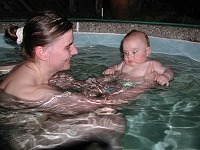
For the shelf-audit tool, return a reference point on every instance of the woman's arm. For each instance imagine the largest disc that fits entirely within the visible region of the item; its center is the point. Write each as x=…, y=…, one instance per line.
x=90, y=87
x=69, y=104
x=77, y=103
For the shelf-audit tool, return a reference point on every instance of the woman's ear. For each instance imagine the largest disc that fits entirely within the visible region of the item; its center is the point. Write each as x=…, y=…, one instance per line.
x=40, y=52
x=148, y=51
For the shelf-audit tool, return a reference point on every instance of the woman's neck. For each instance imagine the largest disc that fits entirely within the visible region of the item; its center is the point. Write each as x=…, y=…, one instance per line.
x=42, y=74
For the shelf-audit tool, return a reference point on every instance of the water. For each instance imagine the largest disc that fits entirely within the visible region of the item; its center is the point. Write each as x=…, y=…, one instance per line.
x=162, y=118
x=10, y=56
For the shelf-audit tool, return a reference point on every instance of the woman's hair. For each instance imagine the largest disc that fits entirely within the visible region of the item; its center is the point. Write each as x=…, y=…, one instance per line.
x=10, y=32
x=43, y=28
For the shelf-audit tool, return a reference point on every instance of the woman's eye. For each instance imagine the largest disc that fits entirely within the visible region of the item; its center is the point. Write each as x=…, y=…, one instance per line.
x=67, y=47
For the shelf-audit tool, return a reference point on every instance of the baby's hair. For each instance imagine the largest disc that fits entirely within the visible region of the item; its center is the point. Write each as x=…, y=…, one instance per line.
x=140, y=33
x=10, y=32
x=134, y=33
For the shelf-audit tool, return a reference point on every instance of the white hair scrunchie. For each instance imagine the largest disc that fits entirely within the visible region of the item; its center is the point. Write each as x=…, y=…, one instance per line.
x=19, y=35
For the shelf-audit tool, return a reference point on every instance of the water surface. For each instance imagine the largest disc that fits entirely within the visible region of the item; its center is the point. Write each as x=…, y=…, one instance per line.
x=162, y=118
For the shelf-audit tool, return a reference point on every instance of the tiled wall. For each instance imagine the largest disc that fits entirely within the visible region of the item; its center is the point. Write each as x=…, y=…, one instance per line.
x=164, y=31
x=158, y=45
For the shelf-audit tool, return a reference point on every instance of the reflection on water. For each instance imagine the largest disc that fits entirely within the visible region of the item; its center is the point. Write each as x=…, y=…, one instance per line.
x=161, y=118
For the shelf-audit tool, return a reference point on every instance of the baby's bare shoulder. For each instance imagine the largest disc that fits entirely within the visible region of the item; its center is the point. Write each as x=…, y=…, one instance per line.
x=155, y=62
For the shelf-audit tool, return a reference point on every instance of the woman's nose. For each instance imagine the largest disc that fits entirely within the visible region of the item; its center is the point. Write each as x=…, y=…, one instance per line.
x=73, y=50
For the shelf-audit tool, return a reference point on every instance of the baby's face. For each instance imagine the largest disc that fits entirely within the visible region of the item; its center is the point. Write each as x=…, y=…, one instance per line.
x=135, y=51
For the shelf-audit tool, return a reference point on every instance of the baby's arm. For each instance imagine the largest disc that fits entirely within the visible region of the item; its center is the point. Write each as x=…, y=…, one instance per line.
x=165, y=74
x=168, y=73
x=114, y=68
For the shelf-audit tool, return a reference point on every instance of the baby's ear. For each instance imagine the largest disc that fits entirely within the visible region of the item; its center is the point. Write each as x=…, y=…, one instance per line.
x=148, y=51
x=40, y=52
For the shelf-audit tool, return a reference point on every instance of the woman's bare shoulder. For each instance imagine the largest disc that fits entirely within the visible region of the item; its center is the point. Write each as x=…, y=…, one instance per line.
x=38, y=92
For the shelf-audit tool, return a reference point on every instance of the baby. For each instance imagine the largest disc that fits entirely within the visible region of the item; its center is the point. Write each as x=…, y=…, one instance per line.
x=136, y=49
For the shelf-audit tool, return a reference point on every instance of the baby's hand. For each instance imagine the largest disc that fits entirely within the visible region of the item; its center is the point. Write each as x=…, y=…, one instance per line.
x=109, y=71
x=162, y=80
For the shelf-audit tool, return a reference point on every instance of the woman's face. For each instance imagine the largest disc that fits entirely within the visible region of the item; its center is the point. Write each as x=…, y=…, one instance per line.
x=61, y=51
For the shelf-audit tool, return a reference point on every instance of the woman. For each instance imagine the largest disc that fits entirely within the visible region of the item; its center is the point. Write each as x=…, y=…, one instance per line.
x=48, y=46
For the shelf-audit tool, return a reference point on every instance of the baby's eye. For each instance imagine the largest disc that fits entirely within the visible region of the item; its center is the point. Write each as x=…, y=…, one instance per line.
x=134, y=52
x=125, y=53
